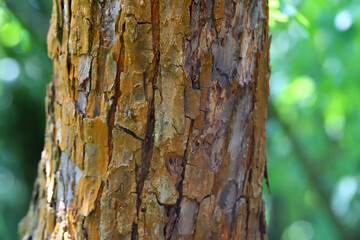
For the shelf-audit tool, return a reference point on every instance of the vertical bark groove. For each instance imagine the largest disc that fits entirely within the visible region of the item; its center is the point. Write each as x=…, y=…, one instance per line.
x=115, y=98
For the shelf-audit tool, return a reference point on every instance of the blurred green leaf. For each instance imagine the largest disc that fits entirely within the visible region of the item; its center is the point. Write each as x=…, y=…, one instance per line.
x=11, y=34
x=277, y=15
x=302, y=19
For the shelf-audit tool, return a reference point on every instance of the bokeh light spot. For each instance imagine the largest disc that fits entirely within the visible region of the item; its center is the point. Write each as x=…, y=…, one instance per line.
x=343, y=21
x=33, y=68
x=279, y=81
x=334, y=126
x=344, y=192
x=332, y=65
x=9, y=69
x=300, y=230
x=302, y=87
x=6, y=181
x=11, y=34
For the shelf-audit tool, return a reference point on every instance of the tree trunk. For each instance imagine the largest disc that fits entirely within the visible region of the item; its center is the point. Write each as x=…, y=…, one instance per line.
x=155, y=121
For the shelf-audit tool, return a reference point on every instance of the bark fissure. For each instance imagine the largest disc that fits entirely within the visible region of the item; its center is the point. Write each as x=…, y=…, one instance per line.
x=115, y=98
x=176, y=208
x=128, y=132
x=148, y=142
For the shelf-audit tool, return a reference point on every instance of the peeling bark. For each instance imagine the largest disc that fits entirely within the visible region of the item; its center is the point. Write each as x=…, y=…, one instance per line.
x=155, y=121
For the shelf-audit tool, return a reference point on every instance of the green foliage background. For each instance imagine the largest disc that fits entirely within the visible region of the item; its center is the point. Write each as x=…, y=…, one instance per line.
x=313, y=125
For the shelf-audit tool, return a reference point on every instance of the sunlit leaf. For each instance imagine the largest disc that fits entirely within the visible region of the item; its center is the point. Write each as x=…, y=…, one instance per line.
x=3, y=16
x=274, y=4
x=302, y=87
x=279, y=16
x=302, y=20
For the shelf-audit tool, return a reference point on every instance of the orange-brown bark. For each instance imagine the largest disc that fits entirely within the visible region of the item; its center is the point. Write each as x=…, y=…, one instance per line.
x=155, y=121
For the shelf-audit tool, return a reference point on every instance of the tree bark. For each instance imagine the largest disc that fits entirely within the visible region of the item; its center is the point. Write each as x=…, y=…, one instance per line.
x=155, y=121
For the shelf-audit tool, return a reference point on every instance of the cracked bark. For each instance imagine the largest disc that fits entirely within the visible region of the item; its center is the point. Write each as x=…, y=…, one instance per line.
x=155, y=121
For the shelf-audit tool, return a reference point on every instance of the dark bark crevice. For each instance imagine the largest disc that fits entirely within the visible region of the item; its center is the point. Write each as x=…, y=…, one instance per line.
x=147, y=143
x=128, y=131
x=115, y=98
x=175, y=209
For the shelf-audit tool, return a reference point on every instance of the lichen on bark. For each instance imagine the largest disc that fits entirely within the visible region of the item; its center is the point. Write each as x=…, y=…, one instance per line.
x=155, y=121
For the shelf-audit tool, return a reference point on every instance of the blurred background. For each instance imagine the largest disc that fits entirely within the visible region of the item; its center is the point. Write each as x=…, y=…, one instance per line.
x=313, y=125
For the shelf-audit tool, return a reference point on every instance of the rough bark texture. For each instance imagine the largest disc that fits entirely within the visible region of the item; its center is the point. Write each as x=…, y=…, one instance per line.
x=155, y=121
